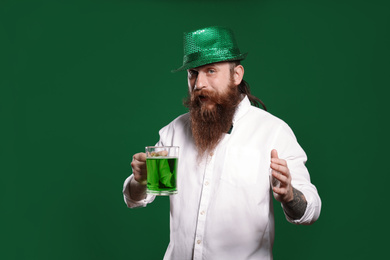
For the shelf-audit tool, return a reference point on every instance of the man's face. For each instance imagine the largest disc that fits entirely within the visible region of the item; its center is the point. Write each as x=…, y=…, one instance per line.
x=208, y=81
x=213, y=98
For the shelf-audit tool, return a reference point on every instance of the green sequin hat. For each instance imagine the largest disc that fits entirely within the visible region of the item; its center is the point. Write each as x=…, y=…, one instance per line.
x=209, y=45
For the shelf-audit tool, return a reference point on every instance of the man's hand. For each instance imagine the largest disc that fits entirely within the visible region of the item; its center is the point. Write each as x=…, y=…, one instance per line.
x=294, y=202
x=139, y=168
x=284, y=191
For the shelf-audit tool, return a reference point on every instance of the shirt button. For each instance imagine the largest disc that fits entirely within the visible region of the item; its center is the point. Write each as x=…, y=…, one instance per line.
x=198, y=242
x=206, y=183
x=211, y=154
x=202, y=213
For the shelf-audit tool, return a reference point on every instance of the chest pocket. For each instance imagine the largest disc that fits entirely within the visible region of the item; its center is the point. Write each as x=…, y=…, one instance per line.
x=244, y=167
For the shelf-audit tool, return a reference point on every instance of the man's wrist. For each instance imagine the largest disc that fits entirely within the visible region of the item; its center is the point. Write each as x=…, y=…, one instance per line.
x=296, y=207
x=137, y=190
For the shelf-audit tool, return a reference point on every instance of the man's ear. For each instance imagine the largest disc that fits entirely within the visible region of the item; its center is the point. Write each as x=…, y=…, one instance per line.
x=238, y=74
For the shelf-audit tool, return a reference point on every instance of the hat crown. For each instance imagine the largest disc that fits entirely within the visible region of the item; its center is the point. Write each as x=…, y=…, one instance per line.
x=209, y=45
x=209, y=38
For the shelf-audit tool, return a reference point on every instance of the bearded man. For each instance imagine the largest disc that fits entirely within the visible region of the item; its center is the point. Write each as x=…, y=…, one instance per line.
x=233, y=157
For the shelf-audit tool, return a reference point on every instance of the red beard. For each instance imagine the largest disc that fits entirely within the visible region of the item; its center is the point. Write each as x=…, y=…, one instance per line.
x=208, y=124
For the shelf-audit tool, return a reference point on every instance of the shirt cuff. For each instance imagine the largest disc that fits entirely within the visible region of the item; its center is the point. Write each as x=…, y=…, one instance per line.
x=133, y=203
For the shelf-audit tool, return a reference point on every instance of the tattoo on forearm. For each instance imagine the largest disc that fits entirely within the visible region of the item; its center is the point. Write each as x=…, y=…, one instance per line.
x=297, y=207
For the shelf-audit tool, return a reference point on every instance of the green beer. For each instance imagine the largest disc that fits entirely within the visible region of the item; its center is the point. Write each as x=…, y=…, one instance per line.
x=161, y=165
x=162, y=173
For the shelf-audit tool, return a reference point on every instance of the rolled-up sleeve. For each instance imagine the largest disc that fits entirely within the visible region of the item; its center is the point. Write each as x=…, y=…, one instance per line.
x=289, y=149
x=130, y=202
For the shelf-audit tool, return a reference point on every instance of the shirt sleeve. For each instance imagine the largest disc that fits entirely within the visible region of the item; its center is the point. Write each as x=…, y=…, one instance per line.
x=133, y=203
x=289, y=149
x=166, y=138
x=126, y=185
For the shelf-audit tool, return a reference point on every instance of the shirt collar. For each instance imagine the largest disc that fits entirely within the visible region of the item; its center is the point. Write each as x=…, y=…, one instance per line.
x=242, y=108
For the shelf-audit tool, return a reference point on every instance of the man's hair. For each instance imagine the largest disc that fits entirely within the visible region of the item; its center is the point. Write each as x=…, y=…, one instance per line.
x=243, y=87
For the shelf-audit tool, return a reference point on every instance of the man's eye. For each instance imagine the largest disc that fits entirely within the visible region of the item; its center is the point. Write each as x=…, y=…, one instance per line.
x=211, y=71
x=193, y=72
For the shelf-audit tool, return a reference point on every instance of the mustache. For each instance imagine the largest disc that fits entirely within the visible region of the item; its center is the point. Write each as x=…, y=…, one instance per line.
x=204, y=93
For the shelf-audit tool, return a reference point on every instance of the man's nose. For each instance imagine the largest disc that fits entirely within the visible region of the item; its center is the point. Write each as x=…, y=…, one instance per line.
x=200, y=82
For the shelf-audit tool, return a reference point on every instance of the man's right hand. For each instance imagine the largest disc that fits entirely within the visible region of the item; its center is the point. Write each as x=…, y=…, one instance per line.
x=139, y=168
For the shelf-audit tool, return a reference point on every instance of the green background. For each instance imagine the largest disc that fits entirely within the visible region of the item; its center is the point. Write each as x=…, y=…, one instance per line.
x=86, y=84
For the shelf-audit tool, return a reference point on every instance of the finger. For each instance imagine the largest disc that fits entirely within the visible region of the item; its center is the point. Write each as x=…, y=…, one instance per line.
x=136, y=169
x=274, y=154
x=279, y=161
x=280, y=168
x=163, y=153
x=280, y=177
x=137, y=166
x=279, y=191
x=141, y=157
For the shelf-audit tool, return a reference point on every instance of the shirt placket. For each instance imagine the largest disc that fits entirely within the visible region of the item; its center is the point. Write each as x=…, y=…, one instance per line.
x=203, y=206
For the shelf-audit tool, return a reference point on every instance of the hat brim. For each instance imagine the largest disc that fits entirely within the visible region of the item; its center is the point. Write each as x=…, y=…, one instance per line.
x=198, y=63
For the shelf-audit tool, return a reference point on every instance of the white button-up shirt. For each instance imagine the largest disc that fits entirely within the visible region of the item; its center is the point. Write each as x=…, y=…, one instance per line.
x=223, y=209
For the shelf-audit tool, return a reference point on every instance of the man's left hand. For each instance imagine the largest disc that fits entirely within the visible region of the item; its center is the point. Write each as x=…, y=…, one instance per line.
x=280, y=171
